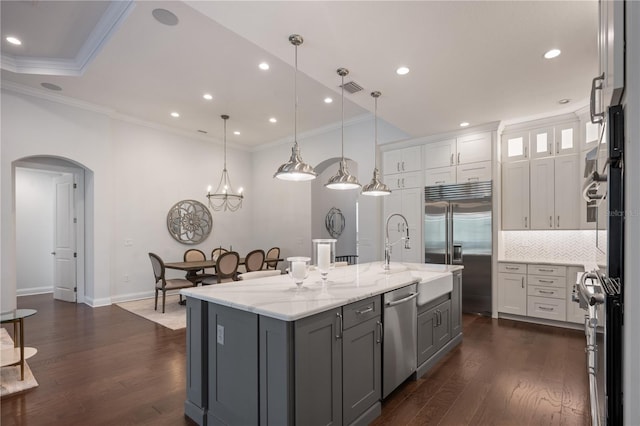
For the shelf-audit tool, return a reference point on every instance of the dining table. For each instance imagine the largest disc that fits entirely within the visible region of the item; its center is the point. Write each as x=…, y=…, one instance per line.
x=193, y=267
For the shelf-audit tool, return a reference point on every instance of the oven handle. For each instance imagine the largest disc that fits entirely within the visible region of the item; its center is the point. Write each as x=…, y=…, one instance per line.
x=594, y=299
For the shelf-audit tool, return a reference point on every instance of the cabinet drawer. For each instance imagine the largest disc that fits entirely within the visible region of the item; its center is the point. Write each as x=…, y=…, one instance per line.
x=547, y=281
x=558, y=271
x=474, y=172
x=358, y=312
x=543, y=307
x=552, y=292
x=512, y=268
x=440, y=176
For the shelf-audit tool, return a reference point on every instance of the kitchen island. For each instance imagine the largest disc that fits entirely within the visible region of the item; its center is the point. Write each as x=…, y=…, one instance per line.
x=265, y=352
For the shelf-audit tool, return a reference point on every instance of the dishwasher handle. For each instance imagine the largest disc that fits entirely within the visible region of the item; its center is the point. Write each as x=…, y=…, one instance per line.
x=404, y=299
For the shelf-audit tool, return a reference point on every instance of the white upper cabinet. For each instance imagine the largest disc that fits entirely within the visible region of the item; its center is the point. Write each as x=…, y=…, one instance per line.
x=404, y=180
x=567, y=138
x=402, y=160
x=611, y=50
x=555, y=193
x=473, y=148
x=567, y=192
x=440, y=176
x=515, y=196
x=542, y=193
x=461, y=160
x=515, y=146
x=440, y=154
x=542, y=142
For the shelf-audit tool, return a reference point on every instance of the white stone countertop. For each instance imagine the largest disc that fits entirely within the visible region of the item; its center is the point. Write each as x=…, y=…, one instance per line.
x=587, y=265
x=277, y=296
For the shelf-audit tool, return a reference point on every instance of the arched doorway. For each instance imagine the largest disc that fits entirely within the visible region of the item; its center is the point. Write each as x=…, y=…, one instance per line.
x=51, y=226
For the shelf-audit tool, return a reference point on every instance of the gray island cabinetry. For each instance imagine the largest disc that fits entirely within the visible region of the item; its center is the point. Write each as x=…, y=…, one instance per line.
x=261, y=353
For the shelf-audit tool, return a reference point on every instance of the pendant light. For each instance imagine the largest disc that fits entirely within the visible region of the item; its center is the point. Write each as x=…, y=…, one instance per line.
x=225, y=198
x=295, y=169
x=343, y=179
x=375, y=188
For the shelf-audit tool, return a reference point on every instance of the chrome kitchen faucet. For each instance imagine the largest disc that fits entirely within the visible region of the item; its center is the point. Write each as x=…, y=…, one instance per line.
x=387, y=245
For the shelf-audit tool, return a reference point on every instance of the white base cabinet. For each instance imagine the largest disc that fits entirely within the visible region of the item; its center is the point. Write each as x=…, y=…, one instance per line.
x=539, y=291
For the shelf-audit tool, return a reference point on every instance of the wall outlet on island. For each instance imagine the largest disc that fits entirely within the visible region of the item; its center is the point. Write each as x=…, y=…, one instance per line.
x=220, y=334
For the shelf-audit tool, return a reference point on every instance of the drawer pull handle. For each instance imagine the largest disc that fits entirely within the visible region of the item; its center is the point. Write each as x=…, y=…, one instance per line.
x=545, y=270
x=522, y=282
x=365, y=311
x=439, y=182
x=546, y=292
x=512, y=268
x=546, y=281
x=544, y=308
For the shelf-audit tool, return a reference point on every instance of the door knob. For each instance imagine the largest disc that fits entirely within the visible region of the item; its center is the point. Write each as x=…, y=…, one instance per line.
x=53, y=253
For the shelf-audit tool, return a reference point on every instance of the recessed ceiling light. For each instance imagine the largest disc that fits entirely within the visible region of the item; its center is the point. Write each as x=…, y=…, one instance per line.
x=14, y=40
x=553, y=53
x=208, y=96
x=273, y=120
x=236, y=133
x=165, y=17
x=464, y=124
x=402, y=71
x=328, y=100
x=175, y=114
x=263, y=66
x=564, y=101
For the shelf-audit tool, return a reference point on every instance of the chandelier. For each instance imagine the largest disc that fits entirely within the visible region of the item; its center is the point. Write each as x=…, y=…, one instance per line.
x=225, y=198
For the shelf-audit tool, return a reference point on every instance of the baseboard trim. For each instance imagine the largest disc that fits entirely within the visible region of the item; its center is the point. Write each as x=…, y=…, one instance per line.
x=95, y=303
x=542, y=321
x=33, y=291
x=133, y=296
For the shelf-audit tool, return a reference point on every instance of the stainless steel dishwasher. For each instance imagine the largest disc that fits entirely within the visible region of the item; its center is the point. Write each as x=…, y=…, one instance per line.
x=400, y=349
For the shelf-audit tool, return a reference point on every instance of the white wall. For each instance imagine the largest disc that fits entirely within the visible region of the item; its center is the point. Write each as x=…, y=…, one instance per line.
x=283, y=209
x=136, y=173
x=156, y=169
x=33, y=127
x=35, y=203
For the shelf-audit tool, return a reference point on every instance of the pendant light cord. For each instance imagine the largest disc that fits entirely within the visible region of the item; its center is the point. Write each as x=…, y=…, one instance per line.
x=375, y=137
x=342, y=126
x=295, y=98
x=225, y=144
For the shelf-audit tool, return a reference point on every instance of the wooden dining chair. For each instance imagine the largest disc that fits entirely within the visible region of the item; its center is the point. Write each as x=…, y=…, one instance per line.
x=226, y=268
x=216, y=252
x=271, y=259
x=254, y=260
x=195, y=255
x=163, y=284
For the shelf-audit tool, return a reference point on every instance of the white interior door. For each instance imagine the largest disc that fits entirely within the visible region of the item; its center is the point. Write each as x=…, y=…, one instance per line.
x=64, y=284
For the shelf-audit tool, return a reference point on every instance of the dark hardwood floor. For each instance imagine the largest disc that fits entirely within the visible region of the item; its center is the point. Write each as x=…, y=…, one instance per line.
x=106, y=366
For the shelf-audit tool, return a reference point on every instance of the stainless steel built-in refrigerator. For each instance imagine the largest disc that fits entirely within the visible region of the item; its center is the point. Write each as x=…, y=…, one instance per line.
x=457, y=230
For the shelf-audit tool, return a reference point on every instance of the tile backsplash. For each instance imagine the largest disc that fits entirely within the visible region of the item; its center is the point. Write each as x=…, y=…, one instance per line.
x=573, y=246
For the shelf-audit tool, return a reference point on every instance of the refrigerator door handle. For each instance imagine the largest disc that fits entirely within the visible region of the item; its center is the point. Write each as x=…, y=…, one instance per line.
x=447, y=222
x=457, y=253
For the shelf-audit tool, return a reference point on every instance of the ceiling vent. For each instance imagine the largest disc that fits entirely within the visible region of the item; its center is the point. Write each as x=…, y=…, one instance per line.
x=352, y=87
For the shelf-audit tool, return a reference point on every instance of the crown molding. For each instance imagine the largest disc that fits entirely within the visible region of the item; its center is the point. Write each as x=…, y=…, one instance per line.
x=106, y=27
x=112, y=114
